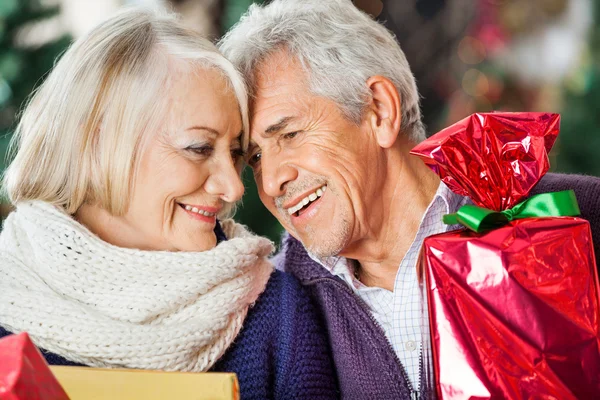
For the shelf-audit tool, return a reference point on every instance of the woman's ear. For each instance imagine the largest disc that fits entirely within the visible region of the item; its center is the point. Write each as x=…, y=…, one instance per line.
x=385, y=114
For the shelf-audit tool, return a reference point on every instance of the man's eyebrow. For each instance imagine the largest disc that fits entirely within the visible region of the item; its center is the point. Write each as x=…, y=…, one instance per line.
x=273, y=129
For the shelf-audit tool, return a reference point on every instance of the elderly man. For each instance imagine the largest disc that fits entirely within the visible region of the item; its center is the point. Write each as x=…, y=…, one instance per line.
x=335, y=112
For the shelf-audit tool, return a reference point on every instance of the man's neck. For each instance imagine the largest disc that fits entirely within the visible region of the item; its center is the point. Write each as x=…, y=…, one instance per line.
x=395, y=220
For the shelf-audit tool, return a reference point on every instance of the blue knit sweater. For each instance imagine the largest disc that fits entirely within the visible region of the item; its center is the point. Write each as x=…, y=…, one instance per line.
x=281, y=352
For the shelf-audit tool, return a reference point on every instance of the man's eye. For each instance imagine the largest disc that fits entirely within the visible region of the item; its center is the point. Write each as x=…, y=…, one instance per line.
x=290, y=135
x=254, y=159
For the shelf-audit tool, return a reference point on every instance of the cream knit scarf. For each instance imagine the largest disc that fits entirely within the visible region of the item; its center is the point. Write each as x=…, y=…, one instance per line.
x=106, y=306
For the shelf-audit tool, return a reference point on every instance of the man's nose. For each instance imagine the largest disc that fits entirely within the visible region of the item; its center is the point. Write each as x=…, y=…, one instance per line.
x=276, y=172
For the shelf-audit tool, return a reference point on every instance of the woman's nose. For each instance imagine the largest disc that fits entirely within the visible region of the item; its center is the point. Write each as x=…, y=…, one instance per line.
x=225, y=182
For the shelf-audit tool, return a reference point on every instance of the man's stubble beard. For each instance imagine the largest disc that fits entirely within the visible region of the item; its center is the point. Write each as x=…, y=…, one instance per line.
x=329, y=242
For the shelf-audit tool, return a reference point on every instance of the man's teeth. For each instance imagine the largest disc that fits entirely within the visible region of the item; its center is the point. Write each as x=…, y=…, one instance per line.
x=310, y=198
x=198, y=211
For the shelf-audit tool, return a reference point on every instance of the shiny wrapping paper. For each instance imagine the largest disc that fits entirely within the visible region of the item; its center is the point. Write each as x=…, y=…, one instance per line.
x=513, y=311
x=495, y=159
x=24, y=373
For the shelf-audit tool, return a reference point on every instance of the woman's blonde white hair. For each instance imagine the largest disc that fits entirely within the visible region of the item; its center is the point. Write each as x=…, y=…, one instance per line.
x=339, y=46
x=79, y=136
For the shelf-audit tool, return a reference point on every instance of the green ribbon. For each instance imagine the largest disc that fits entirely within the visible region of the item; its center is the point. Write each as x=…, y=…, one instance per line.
x=479, y=219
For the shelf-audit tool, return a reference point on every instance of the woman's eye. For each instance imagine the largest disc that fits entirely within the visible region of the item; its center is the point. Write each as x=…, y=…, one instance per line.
x=236, y=154
x=254, y=159
x=204, y=151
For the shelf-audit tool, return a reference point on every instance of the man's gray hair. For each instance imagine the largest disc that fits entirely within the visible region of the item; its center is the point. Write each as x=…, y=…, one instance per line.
x=339, y=46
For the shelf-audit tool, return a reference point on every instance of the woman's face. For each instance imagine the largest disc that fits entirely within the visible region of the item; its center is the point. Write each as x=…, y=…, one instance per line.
x=187, y=169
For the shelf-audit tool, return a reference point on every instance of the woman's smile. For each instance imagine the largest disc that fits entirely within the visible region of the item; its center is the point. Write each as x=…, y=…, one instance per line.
x=201, y=213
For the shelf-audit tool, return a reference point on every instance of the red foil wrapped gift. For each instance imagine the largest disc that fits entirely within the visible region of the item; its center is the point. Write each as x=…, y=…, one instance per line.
x=513, y=301
x=24, y=373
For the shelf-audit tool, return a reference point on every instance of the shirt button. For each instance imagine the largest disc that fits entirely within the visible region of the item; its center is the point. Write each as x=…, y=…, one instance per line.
x=410, y=345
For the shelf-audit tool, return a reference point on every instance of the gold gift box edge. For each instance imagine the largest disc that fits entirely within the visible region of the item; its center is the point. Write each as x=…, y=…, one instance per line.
x=83, y=383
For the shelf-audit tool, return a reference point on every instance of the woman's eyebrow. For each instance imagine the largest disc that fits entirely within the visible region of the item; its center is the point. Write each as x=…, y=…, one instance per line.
x=203, y=128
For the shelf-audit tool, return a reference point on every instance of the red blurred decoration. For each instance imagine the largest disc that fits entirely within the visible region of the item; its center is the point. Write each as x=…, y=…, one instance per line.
x=513, y=312
x=488, y=28
x=24, y=373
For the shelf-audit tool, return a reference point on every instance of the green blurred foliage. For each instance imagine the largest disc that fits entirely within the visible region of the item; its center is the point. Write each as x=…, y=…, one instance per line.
x=578, y=145
x=251, y=212
x=233, y=10
x=254, y=214
x=22, y=68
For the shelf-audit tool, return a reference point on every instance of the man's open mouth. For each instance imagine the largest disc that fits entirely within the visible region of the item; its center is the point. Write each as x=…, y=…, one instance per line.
x=297, y=209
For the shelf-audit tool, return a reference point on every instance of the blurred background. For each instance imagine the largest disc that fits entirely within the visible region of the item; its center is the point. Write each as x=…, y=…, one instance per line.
x=467, y=56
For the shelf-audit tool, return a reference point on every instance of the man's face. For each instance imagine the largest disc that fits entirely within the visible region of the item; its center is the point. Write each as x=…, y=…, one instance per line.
x=315, y=170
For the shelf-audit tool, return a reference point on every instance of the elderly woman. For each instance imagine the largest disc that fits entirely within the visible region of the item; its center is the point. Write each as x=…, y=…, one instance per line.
x=125, y=157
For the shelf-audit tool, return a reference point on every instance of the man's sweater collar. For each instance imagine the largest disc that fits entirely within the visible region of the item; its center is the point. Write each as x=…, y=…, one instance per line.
x=299, y=263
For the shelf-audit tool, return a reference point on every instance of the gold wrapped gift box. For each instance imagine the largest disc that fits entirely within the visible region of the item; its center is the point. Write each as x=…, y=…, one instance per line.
x=83, y=383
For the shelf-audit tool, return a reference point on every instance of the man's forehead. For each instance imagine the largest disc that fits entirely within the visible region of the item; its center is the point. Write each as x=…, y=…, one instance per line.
x=279, y=73
x=279, y=95
x=278, y=66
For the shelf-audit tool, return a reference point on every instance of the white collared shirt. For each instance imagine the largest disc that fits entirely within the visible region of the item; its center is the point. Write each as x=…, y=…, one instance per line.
x=399, y=312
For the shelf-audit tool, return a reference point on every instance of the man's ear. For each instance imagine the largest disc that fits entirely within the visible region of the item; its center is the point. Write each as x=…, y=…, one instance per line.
x=385, y=113
x=371, y=7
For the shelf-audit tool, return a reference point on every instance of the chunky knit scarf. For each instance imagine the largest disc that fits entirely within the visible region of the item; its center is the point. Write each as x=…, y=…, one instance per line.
x=106, y=306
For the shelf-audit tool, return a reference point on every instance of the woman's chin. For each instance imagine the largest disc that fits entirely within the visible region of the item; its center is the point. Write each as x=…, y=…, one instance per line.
x=196, y=243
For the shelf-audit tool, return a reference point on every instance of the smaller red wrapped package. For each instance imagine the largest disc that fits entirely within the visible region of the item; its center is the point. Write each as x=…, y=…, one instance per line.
x=513, y=301
x=24, y=373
